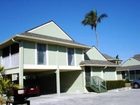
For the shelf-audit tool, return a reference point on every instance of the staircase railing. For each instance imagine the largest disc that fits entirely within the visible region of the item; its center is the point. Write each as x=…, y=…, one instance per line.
x=96, y=83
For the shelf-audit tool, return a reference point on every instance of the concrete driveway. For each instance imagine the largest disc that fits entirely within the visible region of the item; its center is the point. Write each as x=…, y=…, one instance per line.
x=115, y=97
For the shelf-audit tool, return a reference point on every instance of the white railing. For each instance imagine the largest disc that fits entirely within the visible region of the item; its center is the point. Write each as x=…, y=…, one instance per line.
x=10, y=61
x=6, y=62
x=15, y=60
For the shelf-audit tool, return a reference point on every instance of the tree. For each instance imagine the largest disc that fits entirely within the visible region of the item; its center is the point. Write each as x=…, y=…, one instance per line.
x=92, y=19
x=6, y=86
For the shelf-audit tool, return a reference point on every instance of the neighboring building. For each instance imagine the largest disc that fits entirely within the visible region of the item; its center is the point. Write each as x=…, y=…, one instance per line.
x=115, y=60
x=130, y=69
x=53, y=60
x=97, y=65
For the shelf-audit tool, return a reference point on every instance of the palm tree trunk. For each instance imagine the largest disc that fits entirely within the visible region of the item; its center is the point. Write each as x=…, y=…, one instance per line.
x=97, y=41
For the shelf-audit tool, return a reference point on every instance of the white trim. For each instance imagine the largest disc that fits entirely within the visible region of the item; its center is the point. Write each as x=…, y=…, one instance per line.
x=75, y=62
x=53, y=67
x=12, y=71
x=116, y=77
x=57, y=54
x=36, y=54
x=10, y=56
x=38, y=67
x=67, y=56
x=83, y=55
x=47, y=56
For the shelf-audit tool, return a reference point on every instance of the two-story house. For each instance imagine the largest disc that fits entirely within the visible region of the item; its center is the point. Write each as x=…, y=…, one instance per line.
x=48, y=57
x=48, y=54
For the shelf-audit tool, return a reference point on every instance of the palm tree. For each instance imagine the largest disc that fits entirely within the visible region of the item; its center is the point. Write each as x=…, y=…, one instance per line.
x=92, y=19
x=6, y=86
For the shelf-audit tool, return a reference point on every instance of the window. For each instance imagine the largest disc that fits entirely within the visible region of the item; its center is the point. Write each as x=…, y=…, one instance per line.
x=41, y=54
x=70, y=56
x=6, y=52
x=14, y=48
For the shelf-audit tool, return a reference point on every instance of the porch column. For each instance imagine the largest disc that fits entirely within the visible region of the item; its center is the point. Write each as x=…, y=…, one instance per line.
x=116, y=77
x=58, y=81
x=84, y=79
x=21, y=64
x=57, y=73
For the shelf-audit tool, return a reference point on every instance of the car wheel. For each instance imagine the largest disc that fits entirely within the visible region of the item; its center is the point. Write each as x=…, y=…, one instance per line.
x=136, y=85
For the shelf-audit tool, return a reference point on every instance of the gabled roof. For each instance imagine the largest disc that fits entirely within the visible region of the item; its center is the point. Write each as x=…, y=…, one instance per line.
x=53, y=40
x=129, y=68
x=50, y=29
x=108, y=57
x=46, y=33
x=137, y=57
x=131, y=64
x=94, y=54
x=97, y=63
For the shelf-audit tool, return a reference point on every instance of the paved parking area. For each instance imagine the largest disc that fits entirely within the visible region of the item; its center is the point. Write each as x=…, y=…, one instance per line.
x=115, y=97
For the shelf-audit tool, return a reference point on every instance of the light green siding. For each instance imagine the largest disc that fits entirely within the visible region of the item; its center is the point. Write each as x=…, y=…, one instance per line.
x=119, y=75
x=62, y=60
x=94, y=54
x=131, y=62
x=106, y=74
x=96, y=72
x=29, y=53
x=51, y=29
x=109, y=74
x=79, y=56
x=52, y=53
x=71, y=81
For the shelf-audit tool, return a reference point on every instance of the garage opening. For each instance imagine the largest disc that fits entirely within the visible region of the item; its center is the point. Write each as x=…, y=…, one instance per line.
x=46, y=82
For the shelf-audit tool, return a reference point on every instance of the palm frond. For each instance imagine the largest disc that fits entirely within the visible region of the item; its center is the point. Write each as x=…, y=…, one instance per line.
x=1, y=69
x=101, y=17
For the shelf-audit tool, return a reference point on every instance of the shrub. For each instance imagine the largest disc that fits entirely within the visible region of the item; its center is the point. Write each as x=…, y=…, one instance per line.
x=115, y=84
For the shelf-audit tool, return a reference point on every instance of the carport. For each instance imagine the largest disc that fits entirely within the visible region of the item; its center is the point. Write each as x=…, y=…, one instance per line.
x=57, y=81
x=44, y=79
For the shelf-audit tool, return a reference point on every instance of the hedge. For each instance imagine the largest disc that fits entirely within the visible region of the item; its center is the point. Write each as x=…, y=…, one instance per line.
x=115, y=84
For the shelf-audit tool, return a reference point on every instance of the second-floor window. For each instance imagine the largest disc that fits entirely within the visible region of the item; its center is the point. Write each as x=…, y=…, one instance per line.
x=41, y=54
x=70, y=56
x=10, y=56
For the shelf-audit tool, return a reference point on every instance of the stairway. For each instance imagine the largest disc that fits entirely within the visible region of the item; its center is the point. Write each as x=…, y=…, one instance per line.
x=96, y=84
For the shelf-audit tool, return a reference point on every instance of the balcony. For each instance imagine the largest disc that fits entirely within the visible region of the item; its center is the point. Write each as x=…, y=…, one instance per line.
x=10, y=61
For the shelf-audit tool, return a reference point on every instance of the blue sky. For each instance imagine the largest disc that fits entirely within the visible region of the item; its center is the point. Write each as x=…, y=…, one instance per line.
x=118, y=34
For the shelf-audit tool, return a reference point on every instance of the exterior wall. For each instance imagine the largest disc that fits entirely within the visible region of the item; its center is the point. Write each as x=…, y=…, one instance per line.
x=29, y=53
x=52, y=30
x=131, y=62
x=106, y=74
x=62, y=56
x=79, y=56
x=52, y=52
x=94, y=54
x=97, y=72
x=110, y=74
x=119, y=75
x=71, y=81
